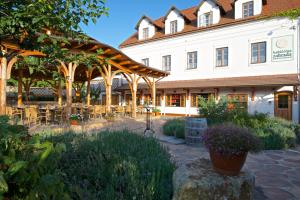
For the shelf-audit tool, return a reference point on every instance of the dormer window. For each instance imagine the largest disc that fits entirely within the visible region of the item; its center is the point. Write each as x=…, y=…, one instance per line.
x=145, y=33
x=207, y=19
x=248, y=9
x=173, y=27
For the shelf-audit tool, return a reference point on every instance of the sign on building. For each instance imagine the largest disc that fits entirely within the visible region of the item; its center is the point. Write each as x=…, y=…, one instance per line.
x=282, y=48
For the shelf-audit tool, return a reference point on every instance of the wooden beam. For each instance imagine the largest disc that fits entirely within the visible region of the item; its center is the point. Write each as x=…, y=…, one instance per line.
x=116, y=56
x=134, y=67
x=94, y=48
x=106, y=51
x=125, y=62
x=78, y=46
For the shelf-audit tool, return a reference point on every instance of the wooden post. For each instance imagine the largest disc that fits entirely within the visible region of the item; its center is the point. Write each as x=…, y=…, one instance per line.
x=134, y=90
x=20, y=85
x=3, y=86
x=153, y=93
x=108, y=97
x=59, y=93
x=69, y=81
x=88, y=88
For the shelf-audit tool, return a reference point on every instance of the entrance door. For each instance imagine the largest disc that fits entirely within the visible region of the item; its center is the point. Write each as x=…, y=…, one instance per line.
x=283, y=105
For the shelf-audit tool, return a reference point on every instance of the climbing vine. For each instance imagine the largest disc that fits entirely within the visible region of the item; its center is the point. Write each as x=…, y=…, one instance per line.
x=292, y=14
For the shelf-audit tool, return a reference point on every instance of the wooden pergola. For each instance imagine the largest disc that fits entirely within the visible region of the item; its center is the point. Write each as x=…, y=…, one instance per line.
x=111, y=63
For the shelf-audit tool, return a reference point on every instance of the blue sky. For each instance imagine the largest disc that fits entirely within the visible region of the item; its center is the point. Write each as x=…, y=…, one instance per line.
x=124, y=14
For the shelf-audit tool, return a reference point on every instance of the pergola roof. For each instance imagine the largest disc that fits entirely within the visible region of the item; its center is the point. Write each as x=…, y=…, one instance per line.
x=117, y=59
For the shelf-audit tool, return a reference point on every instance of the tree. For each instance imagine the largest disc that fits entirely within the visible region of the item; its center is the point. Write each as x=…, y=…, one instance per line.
x=30, y=21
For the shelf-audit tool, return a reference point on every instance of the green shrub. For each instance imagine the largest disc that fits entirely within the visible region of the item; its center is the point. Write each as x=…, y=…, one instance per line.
x=28, y=166
x=275, y=133
x=215, y=112
x=174, y=127
x=116, y=165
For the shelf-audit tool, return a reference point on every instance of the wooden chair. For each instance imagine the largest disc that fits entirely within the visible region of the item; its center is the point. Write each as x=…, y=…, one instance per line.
x=128, y=110
x=120, y=111
x=15, y=114
x=32, y=117
x=45, y=114
x=60, y=115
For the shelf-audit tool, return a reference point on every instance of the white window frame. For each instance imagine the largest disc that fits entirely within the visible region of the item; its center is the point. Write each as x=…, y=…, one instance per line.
x=246, y=9
x=192, y=60
x=145, y=33
x=166, y=62
x=223, y=64
x=173, y=26
x=146, y=61
x=258, y=53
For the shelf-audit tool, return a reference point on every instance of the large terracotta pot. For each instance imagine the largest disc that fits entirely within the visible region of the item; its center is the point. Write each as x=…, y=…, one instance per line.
x=230, y=165
x=73, y=122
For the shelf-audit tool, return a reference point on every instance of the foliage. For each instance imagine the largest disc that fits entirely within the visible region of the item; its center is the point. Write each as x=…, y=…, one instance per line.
x=156, y=110
x=75, y=117
x=28, y=168
x=230, y=139
x=115, y=165
x=215, y=112
x=174, y=127
x=274, y=133
x=292, y=14
x=24, y=20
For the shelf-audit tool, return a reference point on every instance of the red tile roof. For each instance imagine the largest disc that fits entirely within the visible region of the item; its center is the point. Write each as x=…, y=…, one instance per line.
x=269, y=8
x=247, y=81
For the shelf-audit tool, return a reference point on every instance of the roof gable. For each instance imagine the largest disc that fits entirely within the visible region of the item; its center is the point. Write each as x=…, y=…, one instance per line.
x=213, y=1
x=147, y=18
x=173, y=8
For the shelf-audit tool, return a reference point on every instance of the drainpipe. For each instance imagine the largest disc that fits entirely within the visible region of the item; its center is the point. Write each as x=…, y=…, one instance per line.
x=298, y=65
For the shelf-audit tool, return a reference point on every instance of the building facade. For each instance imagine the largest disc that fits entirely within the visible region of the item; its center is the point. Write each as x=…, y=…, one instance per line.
x=233, y=49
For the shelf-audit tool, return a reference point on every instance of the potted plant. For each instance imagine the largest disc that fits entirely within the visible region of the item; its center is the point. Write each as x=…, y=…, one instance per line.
x=155, y=111
x=228, y=147
x=74, y=119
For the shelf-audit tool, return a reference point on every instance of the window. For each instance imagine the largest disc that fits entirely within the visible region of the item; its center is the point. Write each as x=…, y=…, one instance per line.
x=207, y=19
x=176, y=100
x=145, y=61
x=192, y=60
x=283, y=101
x=147, y=99
x=158, y=100
x=166, y=63
x=239, y=101
x=145, y=33
x=222, y=57
x=258, y=52
x=173, y=27
x=248, y=9
x=196, y=97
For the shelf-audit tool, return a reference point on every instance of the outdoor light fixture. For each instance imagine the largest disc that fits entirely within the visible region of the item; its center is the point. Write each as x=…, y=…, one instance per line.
x=48, y=32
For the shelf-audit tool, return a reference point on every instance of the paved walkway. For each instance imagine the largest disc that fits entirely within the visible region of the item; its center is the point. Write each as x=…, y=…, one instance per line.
x=277, y=173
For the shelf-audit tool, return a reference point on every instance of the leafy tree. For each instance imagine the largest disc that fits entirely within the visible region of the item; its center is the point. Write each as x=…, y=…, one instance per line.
x=29, y=21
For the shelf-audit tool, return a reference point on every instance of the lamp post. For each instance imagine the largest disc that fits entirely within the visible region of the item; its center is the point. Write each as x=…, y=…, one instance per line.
x=148, y=131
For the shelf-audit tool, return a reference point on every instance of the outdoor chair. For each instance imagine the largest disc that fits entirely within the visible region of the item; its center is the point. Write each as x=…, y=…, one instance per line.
x=128, y=110
x=60, y=115
x=32, y=117
x=120, y=111
x=45, y=114
x=14, y=113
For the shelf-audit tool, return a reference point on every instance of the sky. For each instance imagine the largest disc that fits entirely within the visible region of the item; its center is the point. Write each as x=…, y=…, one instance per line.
x=124, y=14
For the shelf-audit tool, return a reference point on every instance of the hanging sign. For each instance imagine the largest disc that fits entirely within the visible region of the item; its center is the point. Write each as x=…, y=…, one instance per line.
x=283, y=48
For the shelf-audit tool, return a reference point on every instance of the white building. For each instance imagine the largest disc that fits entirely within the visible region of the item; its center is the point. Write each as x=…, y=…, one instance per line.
x=231, y=48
